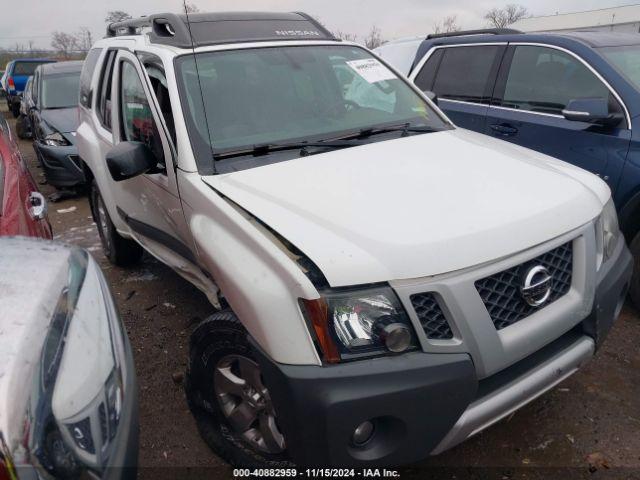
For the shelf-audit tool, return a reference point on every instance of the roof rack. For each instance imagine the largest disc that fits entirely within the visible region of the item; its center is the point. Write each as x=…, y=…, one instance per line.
x=222, y=27
x=481, y=31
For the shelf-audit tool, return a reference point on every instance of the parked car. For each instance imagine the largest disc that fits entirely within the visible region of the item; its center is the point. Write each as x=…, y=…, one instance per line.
x=390, y=285
x=16, y=75
x=574, y=96
x=23, y=124
x=68, y=394
x=53, y=118
x=23, y=209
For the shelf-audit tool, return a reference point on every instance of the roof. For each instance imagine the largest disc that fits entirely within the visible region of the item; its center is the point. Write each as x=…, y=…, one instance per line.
x=580, y=20
x=61, y=67
x=201, y=29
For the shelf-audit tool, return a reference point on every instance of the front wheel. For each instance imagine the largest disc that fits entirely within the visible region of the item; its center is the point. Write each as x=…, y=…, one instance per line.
x=634, y=289
x=227, y=396
x=15, y=109
x=119, y=250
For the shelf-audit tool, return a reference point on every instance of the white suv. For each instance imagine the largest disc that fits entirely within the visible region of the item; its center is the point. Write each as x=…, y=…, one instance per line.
x=388, y=284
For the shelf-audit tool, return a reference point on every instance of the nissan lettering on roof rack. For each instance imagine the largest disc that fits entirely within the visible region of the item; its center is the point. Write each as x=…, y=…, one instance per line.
x=386, y=285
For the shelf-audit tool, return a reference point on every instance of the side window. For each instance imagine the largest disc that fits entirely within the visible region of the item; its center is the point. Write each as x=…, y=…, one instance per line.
x=465, y=72
x=544, y=80
x=88, y=68
x=104, y=101
x=155, y=70
x=425, y=78
x=35, y=83
x=136, y=117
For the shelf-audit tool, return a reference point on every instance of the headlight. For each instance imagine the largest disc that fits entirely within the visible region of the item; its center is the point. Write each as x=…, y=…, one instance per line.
x=607, y=231
x=56, y=139
x=360, y=323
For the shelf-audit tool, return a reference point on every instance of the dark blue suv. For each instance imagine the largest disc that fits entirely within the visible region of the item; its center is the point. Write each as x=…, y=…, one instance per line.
x=574, y=96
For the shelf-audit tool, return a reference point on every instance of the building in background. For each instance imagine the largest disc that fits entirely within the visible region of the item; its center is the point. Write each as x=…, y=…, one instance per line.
x=616, y=19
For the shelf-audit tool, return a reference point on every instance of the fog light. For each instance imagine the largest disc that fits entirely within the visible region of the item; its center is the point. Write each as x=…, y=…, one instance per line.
x=396, y=337
x=363, y=433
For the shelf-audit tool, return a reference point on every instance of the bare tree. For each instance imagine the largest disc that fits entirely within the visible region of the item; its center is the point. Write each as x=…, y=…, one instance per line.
x=349, y=37
x=191, y=8
x=117, y=16
x=84, y=39
x=63, y=43
x=503, y=17
x=448, y=24
x=374, y=38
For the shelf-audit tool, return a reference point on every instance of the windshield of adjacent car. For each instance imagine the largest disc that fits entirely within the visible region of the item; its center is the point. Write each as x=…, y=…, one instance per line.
x=281, y=94
x=626, y=59
x=25, y=68
x=60, y=90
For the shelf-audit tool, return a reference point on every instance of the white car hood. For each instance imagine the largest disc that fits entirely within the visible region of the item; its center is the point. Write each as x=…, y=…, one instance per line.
x=416, y=206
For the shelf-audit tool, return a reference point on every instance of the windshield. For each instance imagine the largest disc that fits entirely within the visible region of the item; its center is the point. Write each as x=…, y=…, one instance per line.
x=280, y=94
x=26, y=68
x=627, y=60
x=60, y=91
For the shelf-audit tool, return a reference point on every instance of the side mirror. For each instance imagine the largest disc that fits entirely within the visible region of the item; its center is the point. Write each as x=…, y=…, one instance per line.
x=431, y=96
x=130, y=159
x=591, y=110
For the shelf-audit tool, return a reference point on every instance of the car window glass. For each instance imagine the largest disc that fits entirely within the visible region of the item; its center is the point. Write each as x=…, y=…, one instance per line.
x=464, y=73
x=60, y=90
x=425, y=78
x=88, y=68
x=544, y=80
x=25, y=68
x=160, y=89
x=138, y=124
x=104, y=103
x=35, y=87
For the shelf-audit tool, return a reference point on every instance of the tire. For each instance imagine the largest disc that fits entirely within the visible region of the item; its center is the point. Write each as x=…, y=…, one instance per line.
x=15, y=109
x=119, y=250
x=634, y=289
x=21, y=128
x=219, y=344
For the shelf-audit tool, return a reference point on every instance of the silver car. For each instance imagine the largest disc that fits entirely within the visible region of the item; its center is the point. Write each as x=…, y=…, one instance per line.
x=68, y=394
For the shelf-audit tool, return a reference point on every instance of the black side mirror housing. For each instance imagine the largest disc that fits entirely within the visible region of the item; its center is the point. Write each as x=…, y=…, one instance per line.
x=591, y=110
x=130, y=159
x=431, y=96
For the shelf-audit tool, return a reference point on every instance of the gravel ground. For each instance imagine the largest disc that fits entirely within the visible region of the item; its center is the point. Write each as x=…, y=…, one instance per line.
x=588, y=427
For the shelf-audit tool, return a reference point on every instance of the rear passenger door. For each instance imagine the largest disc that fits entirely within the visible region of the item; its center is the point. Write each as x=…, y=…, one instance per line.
x=535, y=84
x=462, y=77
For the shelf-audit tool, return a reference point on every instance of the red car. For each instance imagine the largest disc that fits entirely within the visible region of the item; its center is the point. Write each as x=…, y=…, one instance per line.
x=23, y=209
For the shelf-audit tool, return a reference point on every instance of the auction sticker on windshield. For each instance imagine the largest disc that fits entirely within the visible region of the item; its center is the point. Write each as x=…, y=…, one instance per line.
x=371, y=70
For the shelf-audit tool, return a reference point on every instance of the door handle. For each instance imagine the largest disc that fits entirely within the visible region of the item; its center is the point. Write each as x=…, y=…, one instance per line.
x=504, y=130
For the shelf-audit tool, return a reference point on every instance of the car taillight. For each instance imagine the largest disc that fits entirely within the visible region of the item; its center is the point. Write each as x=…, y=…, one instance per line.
x=11, y=83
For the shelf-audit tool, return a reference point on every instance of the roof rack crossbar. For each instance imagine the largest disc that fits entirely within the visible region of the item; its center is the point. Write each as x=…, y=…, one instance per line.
x=481, y=31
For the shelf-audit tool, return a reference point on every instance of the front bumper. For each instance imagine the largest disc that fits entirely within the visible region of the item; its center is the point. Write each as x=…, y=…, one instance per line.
x=61, y=165
x=425, y=403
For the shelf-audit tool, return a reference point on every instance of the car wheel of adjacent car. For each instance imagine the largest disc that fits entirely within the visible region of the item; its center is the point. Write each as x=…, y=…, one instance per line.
x=15, y=109
x=119, y=250
x=21, y=128
x=634, y=289
x=228, y=398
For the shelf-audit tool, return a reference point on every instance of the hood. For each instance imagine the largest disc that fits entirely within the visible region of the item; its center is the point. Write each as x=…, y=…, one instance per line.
x=416, y=206
x=64, y=120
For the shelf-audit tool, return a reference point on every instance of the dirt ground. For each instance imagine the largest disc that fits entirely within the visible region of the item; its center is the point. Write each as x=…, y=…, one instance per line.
x=588, y=427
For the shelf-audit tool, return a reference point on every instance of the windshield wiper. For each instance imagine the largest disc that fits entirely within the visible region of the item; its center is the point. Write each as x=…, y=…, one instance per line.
x=267, y=148
x=405, y=128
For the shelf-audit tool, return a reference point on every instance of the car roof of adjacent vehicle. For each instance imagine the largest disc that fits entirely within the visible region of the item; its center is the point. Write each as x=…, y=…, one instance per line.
x=61, y=67
x=204, y=29
x=18, y=60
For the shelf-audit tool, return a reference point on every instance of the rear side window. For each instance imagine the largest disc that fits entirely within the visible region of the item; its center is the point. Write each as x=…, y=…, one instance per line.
x=104, y=101
x=543, y=79
x=88, y=68
x=25, y=68
x=424, y=80
x=465, y=73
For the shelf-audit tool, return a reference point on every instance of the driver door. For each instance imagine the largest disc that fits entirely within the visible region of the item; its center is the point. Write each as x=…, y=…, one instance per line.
x=150, y=203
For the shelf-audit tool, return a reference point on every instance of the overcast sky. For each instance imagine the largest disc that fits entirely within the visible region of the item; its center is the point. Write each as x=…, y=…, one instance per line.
x=24, y=20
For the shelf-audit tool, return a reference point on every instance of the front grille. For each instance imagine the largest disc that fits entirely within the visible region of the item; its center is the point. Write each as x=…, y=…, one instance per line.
x=501, y=292
x=431, y=317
